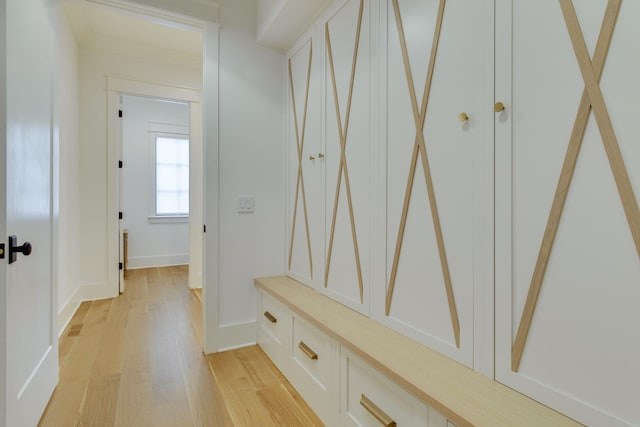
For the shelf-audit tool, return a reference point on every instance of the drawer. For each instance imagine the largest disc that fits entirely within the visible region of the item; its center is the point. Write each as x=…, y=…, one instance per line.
x=314, y=370
x=368, y=398
x=274, y=328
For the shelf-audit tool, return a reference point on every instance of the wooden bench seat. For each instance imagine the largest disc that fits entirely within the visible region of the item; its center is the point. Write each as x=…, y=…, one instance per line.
x=464, y=396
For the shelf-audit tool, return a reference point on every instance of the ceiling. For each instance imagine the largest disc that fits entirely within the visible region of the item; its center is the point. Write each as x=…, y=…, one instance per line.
x=99, y=24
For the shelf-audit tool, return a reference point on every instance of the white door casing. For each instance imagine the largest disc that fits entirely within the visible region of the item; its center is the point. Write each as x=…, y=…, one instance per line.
x=29, y=298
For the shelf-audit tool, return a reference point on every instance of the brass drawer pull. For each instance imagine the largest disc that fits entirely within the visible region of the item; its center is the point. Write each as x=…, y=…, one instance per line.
x=377, y=413
x=270, y=317
x=307, y=350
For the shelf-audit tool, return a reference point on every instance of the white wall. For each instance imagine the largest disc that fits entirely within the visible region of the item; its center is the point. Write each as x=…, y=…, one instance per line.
x=157, y=243
x=251, y=163
x=67, y=111
x=94, y=67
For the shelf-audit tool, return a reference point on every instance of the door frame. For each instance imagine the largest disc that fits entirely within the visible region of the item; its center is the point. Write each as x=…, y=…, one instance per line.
x=208, y=103
x=116, y=87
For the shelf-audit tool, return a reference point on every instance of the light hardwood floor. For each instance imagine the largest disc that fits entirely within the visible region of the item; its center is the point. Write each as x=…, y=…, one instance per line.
x=136, y=361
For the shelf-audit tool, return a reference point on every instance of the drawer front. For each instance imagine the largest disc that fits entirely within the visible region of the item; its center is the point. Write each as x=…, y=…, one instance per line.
x=273, y=317
x=369, y=398
x=312, y=351
x=274, y=329
x=315, y=369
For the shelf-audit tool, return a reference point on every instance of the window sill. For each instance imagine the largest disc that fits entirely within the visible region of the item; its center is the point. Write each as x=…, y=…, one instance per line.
x=168, y=219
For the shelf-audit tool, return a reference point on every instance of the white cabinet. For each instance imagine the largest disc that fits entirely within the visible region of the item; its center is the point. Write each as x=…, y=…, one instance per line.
x=434, y=121
x=392, y=217
x=329, y=176
x=346, y=29
x=305, y=213
x=567, y=179
x=481, y=159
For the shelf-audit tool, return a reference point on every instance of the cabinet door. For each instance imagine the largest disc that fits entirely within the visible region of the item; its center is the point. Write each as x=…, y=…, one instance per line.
x=304, y=184
x=348, y=140
x=434, y=170
x=567, y=224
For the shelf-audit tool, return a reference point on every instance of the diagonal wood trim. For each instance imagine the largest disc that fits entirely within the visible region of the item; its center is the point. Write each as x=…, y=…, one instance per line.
x=611, y=146
x=299, y=172
x=420, y=149
x=343, y=168
x=339, y=180
x=564, y=182
x=300, y=146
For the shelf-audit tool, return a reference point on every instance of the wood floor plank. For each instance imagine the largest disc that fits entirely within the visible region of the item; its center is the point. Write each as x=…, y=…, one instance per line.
x=65, y=406
x=137, y=361
x=283, y=407
x=99, y=408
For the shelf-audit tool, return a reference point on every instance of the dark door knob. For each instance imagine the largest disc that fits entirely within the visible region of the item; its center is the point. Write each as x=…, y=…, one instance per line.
x=14, y=249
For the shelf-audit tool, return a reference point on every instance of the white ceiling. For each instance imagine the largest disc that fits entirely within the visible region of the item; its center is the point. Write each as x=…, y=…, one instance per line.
x=93, y=21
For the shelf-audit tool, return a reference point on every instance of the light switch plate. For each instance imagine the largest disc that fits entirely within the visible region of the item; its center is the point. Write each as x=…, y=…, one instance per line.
x=245, y=204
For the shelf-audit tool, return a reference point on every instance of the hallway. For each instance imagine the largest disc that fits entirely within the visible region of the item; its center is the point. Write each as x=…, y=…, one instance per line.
x=136, y=361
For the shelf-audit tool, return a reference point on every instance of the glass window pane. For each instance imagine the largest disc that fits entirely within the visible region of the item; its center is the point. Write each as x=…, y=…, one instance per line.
x=183, y=178
x=182, y=155
x=165, y=150
x=166, y=203
x=167, y=178
x=172, y=176
x=183, y=202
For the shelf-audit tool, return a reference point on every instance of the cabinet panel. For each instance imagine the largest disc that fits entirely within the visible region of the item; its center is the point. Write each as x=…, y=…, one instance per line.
x=304, y=183
x=434, y=135
x=567, y=243
x=347, y=127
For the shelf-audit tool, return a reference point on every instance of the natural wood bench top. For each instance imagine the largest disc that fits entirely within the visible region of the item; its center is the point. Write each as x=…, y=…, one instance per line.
x=464, y=396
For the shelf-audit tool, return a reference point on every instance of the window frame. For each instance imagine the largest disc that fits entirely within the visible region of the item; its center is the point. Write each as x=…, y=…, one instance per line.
x=156, y=218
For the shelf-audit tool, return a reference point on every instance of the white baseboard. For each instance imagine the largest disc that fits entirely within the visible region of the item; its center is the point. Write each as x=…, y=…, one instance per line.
x=236, y=336
x=93, y=292
x=68, y=310
x=98, y=291
x=195, y=279
x=134, y=263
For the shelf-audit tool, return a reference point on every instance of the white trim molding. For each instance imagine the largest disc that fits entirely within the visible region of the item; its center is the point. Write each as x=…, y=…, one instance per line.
x=237, y=335
x=129, y=86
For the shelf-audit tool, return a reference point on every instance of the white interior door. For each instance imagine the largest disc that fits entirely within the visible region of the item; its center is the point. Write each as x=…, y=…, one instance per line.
x=29, y=340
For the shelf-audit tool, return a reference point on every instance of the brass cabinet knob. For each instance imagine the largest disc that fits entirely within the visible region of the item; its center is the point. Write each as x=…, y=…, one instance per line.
x=320, y=155
x=498, y=107
x=463, y=117
x=312, y=158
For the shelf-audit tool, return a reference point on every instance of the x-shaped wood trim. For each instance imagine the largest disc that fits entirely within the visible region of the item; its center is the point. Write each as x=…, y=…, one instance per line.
x=343, y=129
x=420, y=149
x=591, y=99
x=300, y=146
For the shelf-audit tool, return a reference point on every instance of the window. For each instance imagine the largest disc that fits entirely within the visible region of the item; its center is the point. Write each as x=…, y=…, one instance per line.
x=172, y=175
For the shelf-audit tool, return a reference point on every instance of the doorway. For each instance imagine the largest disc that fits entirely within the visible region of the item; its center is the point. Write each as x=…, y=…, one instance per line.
x=178, y=117
x=133, y=49
x=154, y=183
